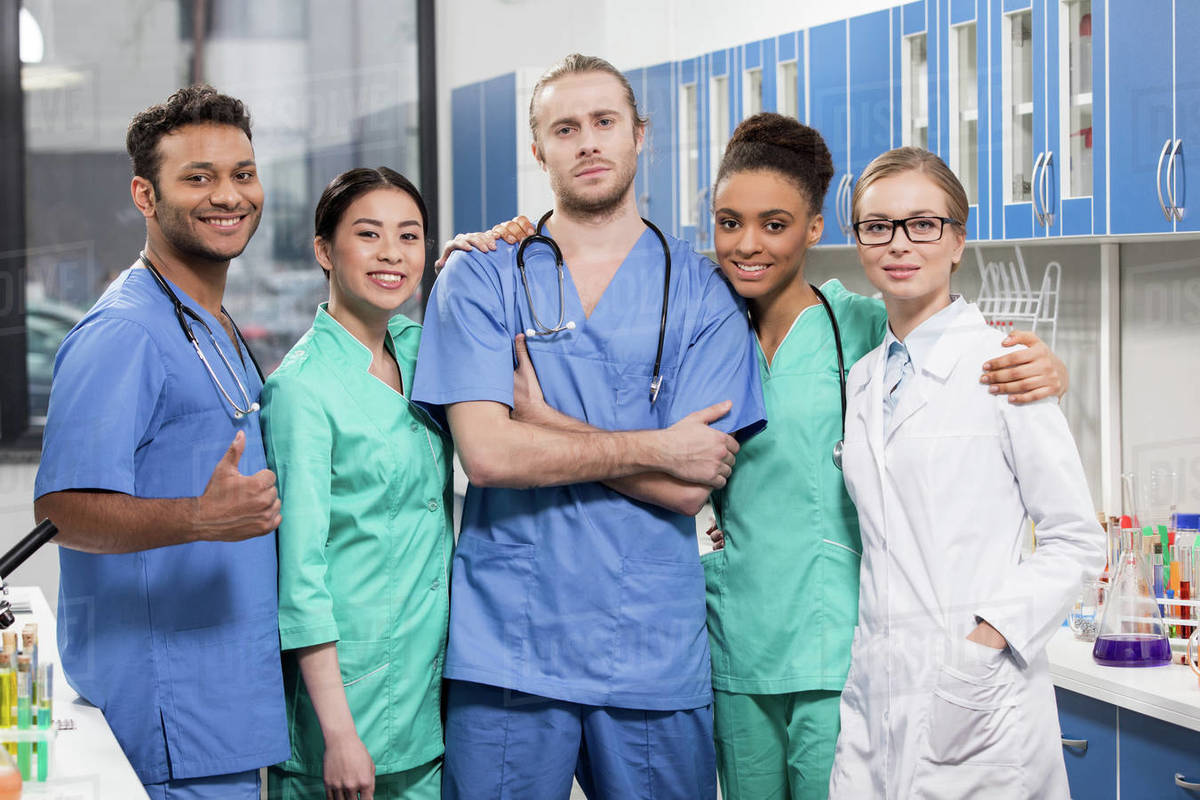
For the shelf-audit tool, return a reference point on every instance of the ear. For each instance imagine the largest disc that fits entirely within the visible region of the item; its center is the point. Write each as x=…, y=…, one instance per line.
x=142, y=192
x=321, y=251
x=960, y=246
x=537, y=156
x=639, y=137
x=816, y=228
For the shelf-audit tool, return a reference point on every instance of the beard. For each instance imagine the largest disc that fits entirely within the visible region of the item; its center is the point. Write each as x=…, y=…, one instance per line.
x=595, y=206
x=177, y=228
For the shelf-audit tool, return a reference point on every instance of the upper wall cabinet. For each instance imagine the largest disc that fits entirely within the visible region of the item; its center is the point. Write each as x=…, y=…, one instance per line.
x=1155, y=113
x=850, y=79
x=1043, y=95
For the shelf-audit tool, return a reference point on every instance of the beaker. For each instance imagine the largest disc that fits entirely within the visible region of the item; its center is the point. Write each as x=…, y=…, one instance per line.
x=1084, y=617
x=1131, y=630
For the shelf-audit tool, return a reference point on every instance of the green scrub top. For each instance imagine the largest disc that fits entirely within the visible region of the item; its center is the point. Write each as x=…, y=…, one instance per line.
x=365, y=542
x=783, y=593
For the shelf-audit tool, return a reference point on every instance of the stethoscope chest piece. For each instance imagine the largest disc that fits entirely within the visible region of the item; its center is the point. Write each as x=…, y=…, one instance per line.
x=837, y=454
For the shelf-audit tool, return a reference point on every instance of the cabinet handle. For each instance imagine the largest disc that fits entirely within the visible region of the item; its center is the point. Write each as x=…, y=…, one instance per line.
x=1075, y=744
x=839, y=206
x=1047, y=214
x=1169, y=215
x=849, y=197
x=1176, y=208
x=1033, y=187
x=1183, y=783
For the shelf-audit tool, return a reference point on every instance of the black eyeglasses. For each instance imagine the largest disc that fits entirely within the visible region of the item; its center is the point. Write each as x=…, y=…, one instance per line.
x=918, y=229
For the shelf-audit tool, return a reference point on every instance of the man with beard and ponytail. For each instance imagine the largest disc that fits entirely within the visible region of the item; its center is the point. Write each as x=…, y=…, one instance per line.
x=153, y=470
x=577, y=641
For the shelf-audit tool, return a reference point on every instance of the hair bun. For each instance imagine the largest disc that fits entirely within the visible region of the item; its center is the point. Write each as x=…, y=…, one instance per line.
x=770, y=141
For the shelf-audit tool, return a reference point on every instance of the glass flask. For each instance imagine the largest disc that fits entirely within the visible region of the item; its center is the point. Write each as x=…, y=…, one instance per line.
x=10, y=778
x=1131, y=630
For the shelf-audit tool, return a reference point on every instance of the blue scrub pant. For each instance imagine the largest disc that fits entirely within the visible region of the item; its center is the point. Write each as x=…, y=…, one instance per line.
x=234, y=786
x=508, y=745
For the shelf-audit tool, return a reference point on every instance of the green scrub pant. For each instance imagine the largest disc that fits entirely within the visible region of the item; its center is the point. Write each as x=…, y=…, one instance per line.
x=775, y=746
x=419, y=783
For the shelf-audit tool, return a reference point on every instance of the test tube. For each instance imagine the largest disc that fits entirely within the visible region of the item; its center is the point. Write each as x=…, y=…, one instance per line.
x=10, y=649
x=6, y=667
x=45, y=715
x=1185, y=589
x=24, y=691
x=29, y=648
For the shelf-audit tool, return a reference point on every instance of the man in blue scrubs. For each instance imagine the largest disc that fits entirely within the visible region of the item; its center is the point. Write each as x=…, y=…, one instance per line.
x=577, y=640
x=167, y=610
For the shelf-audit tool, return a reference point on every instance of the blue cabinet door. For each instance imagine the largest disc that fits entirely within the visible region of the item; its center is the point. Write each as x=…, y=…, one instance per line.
x=1152, y=753
x=499, y=132
x=1089, y=732
x=870, y=82
x=829, y=106
x=660, y=155
x=1187, y=108
x=466, y=143
x=1141, y=107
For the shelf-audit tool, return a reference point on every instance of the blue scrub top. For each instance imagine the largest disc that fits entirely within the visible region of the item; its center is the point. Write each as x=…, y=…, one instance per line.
x=576, y=592
x=179, y=646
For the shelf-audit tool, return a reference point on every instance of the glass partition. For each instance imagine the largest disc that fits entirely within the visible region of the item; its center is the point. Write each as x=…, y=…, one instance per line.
x=964, y=110
x=1077, y=125
x=915, y=91
x=1018, y=101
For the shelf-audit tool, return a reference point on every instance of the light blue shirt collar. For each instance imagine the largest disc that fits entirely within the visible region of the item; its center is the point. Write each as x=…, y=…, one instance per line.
x=921, y=341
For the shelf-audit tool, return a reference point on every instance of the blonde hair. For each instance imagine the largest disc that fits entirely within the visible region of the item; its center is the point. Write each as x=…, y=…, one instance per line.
x=576, y=64
x=916, y=159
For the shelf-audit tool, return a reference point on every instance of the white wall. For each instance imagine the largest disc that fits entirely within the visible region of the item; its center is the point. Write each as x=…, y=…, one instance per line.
x=478, y=39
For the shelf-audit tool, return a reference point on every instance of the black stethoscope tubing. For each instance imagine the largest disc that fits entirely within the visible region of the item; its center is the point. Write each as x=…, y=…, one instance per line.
x=182, y=313
x=543, y=330
x=837, y=341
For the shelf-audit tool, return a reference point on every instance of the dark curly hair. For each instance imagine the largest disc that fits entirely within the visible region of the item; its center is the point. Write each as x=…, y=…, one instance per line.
x=781, y=144
x=199, y=103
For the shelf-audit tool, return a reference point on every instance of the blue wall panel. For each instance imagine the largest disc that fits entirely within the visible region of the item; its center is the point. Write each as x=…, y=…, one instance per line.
x=770, y=75
x=499, y=131
x=961, y=11
x=466, y=142
x=786, y=46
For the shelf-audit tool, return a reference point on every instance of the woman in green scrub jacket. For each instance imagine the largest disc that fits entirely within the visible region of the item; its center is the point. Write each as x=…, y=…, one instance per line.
x=366, y=537
x=783, y=590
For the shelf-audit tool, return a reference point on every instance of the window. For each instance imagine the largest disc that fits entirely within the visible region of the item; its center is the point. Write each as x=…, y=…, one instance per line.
x=915, y=92
x=964, y=110
x=752, y=92
x=1018, y=105
x=789, y=90
x=689, y=156
x=719, y=122
x=1077, y=111
x=328, y=88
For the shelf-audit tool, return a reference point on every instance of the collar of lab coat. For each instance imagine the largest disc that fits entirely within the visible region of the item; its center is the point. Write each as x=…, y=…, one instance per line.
x=934, y=356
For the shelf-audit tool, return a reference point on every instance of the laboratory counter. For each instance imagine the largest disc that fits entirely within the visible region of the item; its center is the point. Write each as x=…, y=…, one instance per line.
x=87, y=762
x=1127, y=732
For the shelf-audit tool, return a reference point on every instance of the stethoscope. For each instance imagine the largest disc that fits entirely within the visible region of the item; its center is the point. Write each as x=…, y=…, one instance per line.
x=837, y=340
x=541, y=329
x=183, y=313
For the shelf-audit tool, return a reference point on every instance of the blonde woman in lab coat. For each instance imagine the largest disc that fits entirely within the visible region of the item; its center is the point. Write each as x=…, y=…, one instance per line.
x=949, y=692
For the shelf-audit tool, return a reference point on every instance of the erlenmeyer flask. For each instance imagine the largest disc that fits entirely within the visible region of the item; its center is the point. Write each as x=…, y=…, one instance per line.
x=1131, y=629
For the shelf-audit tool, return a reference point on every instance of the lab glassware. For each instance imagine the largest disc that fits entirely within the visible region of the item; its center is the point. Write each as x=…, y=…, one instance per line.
x=1131, y=632
x=1084, y=618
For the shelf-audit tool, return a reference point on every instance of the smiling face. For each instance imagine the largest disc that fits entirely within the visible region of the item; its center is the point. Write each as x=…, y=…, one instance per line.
x=377, y=254
x=764, y=227
x=914, y=278
x=209, y=199
x=587, y=142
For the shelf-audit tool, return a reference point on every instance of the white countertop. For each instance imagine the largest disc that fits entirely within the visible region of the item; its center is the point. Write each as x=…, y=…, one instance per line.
x=1170, y=693
x=87, y=763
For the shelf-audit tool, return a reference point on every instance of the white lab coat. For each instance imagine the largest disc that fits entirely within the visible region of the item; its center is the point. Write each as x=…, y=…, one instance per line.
x=941, y=502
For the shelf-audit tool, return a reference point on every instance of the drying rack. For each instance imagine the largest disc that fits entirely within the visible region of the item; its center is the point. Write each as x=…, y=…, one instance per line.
x=1007, y=298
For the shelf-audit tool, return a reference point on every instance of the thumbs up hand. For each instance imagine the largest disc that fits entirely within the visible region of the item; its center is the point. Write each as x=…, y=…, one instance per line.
x=236, y=506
